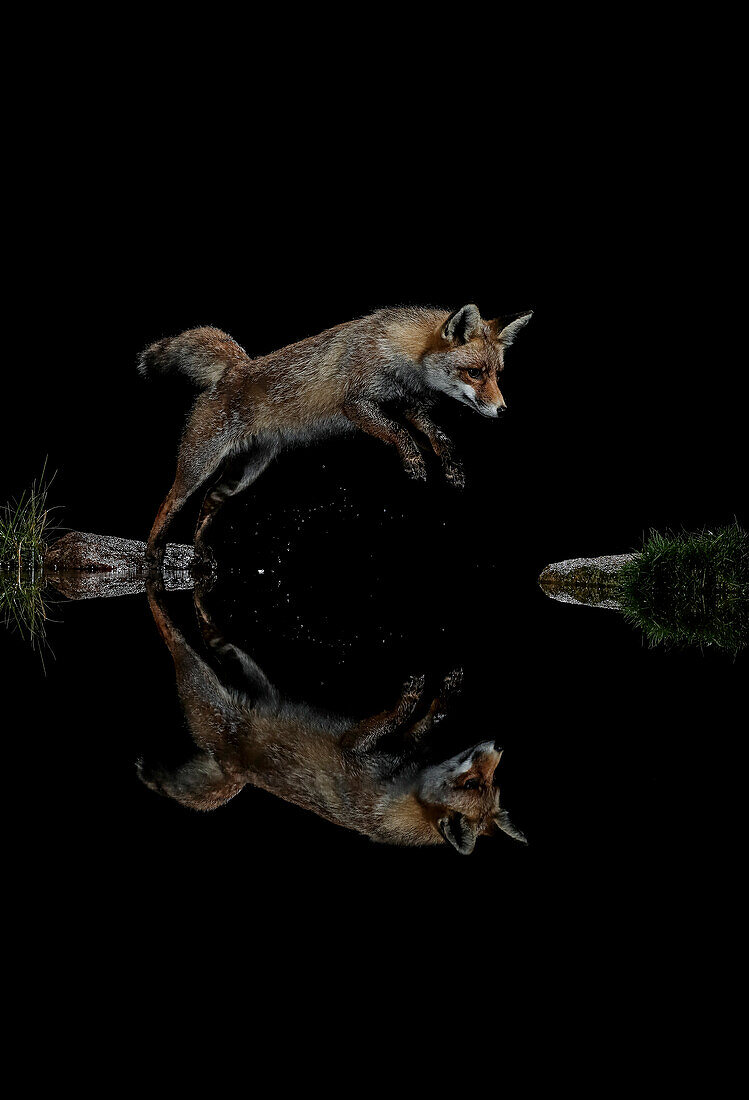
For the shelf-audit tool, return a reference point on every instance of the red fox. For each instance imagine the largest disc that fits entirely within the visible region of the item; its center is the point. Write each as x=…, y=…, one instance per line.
x=352, y=376
x=366, y=775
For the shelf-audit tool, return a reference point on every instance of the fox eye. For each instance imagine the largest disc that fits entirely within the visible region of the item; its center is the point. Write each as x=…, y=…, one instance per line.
x=471, y=785
x=474, y=372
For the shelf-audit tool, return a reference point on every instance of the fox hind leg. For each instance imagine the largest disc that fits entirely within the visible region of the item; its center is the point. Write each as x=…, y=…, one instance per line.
x=253, y=681
x=238, y=474
x=205, y=444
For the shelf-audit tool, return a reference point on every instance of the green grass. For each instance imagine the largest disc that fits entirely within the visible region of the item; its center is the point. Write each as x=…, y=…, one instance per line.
x=22, y=605
x=690, y=589
x=26, y=527
x=25, y=530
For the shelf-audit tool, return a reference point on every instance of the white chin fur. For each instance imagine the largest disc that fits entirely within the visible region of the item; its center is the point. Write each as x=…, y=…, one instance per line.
x=468, y=394
x=462, y=392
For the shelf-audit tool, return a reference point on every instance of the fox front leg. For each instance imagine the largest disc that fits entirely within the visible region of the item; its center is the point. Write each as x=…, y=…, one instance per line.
x=371, y=419
x=450, y=687
x=364, y=736
x=205, y=444
x=442, y=445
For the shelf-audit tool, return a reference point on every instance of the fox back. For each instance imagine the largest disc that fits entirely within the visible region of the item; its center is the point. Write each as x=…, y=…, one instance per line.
x=390, y=354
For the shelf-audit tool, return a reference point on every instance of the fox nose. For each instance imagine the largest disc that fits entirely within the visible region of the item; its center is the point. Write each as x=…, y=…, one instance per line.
x=501, y=409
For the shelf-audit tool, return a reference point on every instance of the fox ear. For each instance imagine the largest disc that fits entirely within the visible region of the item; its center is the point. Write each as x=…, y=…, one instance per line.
x=502, y=821
x=506, y=335
x=462, y=325
x=458, y=831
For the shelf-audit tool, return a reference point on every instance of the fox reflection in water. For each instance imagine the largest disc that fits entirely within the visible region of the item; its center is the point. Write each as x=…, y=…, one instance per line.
x=370, y=776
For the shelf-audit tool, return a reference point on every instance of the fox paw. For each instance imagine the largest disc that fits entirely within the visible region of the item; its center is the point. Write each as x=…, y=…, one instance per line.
x=455, y=475
x=453, y=682
x=413, y=688
x=416, y=468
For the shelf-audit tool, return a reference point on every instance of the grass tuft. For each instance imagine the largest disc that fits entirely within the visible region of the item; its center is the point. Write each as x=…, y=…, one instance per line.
x=23, y=607
x=26, y=527
x=690, y=589
x=25, y=530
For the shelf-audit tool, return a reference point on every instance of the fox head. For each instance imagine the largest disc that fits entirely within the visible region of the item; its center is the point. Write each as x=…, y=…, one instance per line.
x=455, y=802
x=466, y=355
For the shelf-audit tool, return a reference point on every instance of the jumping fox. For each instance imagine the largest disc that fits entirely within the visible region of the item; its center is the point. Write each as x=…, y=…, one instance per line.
x=365, y=775
x=373, y=373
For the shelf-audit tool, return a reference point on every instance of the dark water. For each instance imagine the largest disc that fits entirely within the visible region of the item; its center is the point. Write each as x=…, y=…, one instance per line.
x=614, y=754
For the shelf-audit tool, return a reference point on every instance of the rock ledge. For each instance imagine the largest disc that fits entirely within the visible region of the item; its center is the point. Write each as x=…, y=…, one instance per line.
x=588, y=581
x=89, y=553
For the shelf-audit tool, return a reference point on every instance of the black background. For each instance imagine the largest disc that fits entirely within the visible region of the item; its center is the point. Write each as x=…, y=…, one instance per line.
x=627, y=407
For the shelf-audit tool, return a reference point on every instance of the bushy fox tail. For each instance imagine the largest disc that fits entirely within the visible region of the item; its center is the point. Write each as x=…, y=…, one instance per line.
x=202, y=354
x=200, y=783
